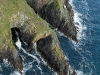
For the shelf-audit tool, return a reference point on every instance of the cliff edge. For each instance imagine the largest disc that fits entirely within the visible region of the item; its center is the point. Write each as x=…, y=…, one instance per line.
x=58, y=13
x=17, y=15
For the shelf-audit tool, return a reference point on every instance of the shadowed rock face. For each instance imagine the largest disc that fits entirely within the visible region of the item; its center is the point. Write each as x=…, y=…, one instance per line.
x=13, y=58
x=44, y=46
x=58, y=13
x=25, y=37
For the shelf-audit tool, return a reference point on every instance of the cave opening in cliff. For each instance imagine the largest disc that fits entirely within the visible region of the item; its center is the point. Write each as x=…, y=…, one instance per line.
x=16, y=36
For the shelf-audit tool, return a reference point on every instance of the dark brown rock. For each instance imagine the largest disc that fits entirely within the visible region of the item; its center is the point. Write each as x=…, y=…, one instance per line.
x=54, y=58
x=13, y=57
x=58, y=14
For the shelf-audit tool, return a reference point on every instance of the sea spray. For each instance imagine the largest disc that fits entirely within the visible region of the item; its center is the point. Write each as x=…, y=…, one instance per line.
x=1, y=68
x=15, y=73
x=26, y=66
x=81, y=35
x=78, y=22
x=42, y=60
x=6, y=62
x=19, y=45
x=36, y=57
x=79, y=72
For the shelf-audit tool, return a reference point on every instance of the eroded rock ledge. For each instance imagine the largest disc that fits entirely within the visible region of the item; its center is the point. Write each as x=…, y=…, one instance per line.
x=58, y=13
x=16, y=14
x=54, y=56
x=13, y=57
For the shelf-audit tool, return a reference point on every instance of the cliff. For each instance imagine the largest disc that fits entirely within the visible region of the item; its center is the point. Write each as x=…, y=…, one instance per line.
x=17, y=15
x=58, y=13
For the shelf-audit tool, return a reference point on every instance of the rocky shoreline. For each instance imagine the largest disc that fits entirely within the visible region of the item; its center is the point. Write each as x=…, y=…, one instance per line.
x=32, y=26
x=58, y=14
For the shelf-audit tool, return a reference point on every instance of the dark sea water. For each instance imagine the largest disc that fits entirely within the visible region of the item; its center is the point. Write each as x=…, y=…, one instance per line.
x=84, y=56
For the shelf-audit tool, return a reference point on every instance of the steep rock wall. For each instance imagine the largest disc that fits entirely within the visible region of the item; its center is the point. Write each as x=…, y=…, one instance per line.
x=58, y=13
x=54, y=56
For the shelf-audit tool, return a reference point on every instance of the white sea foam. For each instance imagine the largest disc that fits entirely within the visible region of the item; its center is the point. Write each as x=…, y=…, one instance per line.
x=29, y=65
x=54, y=73
x=60, y=33
x=37, y=53
x=26, y=66
x=45, y=63
x=35, y=47
x=0, y=68
x=39, y=67
x=66, y=57
x=42, y=60
x=6, y=62
x=70, y=70
x=15, y=73
x=81, y=27
x=18, y=43
x=33, y=56
x=78, y=22
x=79, y=72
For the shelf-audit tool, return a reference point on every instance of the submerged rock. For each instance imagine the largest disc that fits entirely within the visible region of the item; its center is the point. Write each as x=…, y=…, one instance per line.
x=18, y=18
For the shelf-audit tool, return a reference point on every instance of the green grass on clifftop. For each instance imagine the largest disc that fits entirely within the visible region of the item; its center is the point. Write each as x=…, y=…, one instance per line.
x=9, y=8
x=56, y=5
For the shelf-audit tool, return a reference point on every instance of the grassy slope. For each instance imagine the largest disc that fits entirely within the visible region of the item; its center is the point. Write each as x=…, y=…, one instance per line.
x=10, y=7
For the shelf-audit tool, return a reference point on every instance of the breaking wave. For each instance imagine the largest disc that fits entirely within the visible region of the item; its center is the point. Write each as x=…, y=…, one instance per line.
x=84, y=53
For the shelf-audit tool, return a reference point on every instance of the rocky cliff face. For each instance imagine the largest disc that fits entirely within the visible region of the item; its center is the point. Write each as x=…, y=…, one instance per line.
x=58, y=13
x=54, y=55
x=16, y=15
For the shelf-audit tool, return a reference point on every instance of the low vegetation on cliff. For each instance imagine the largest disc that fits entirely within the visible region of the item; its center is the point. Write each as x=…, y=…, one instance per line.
x=32, y=28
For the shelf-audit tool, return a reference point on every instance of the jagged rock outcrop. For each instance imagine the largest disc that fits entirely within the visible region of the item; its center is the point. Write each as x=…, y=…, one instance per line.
x=17, y=15
x=13, y=57
x=54, y=56
x=58, y=13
